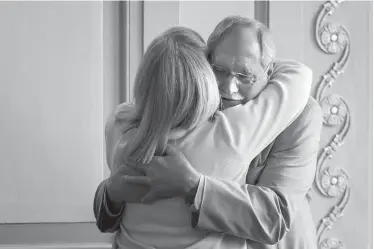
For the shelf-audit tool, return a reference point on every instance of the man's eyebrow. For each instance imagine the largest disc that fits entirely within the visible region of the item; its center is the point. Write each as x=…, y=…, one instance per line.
x=219, y=64
x=247, y=69
x=248, y=65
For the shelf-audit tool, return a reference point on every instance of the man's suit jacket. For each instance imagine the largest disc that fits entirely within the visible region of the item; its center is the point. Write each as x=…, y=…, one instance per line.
x=278, y=181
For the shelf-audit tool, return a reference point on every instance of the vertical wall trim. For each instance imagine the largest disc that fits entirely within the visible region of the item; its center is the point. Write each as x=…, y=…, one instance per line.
x=136, y=14
x=262, y=11
x=124, y=50
x=132, y=33
x=111, y=36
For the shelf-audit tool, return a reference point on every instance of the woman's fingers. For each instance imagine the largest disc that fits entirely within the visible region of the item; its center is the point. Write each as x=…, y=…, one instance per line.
x=171, y=150
x=131, y=163
x=143, y=180
x=149, y=198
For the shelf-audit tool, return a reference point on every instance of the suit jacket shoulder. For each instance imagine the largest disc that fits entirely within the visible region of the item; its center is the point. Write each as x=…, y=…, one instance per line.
x=308, y=123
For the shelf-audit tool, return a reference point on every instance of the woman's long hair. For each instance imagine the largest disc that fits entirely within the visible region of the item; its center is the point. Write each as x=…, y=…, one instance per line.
x=175, y=87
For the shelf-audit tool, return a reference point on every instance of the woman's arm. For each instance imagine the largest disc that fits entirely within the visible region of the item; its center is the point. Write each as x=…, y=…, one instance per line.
x=107, y=215
x=265, y=212
x=112, y=193
x=253, y=126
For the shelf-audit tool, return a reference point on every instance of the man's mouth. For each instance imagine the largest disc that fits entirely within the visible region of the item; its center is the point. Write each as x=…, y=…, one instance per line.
x=235, y=96
x=226, y=103
x=231, y=98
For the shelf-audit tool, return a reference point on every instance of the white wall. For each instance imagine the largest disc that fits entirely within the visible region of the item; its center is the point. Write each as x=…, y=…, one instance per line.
x=201, y=16
x=52, y=109
x=158, y=16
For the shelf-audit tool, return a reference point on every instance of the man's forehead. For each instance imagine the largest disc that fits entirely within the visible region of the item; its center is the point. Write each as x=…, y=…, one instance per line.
x=228, y=58
x=239, y=46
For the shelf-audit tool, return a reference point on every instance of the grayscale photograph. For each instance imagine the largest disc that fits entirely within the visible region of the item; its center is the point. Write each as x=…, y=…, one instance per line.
x=186, y=124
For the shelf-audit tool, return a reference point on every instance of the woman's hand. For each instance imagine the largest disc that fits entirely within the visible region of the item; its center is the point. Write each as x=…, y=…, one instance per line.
x=120, y=190
x=167, y=176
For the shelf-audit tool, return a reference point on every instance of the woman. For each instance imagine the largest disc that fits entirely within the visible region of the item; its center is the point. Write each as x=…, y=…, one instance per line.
x=176, y=102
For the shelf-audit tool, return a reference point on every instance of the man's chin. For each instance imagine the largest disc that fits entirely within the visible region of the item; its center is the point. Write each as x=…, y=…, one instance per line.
x=227, y=103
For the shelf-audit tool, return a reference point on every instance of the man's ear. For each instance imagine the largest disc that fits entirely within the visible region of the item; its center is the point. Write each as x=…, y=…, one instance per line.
x=270, y=69
x=209, y=57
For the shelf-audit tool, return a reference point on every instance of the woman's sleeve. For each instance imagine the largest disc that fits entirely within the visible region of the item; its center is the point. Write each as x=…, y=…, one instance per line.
x=253, y=126
x=108, y=221
x=266, y=211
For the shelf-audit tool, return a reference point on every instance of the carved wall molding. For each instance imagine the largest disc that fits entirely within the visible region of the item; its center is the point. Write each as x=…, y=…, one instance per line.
x=332, y=181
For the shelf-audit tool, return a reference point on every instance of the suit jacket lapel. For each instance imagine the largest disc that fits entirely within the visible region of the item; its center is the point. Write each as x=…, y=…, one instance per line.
x=257, y=165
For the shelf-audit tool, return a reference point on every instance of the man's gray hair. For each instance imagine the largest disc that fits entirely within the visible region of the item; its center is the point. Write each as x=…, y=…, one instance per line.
x=264, y=36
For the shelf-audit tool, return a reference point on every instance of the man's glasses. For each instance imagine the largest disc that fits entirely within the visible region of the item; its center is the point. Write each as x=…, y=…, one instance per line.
x=223, y=73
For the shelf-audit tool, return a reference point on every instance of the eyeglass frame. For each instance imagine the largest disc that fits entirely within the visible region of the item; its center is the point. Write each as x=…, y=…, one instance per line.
x=235, y=74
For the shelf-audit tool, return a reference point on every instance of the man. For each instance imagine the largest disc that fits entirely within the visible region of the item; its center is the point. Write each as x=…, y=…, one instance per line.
x=271, y=210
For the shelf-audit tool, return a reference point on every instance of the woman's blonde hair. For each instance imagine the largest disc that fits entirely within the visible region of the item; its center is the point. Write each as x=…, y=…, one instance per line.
x=175, y=87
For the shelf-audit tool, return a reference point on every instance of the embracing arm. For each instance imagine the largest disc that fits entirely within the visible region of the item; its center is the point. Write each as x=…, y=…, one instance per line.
x=108, y=213
x=111, y=195
x=264, y=212
x=253, y=126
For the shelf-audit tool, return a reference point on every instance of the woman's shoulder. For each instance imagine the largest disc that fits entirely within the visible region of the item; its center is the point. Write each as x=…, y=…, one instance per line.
x=221, y=127
x=118, y=120
x=118, y=130
x=123, y=111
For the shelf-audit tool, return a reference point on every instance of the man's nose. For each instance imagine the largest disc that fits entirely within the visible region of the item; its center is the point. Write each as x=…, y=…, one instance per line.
x=230, y=85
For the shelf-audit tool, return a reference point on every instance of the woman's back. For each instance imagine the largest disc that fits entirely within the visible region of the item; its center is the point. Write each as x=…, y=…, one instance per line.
x=167, y=223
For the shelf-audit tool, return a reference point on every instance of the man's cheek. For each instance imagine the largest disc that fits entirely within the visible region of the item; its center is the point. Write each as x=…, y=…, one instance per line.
x=247, y=92
x=259, y=87
x=251, y=92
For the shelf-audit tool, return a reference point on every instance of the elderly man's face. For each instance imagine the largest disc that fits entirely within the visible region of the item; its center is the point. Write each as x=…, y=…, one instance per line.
x=236, y=62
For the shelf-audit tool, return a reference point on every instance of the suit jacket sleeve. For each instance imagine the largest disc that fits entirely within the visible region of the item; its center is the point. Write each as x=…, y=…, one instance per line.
x=264, y=212
x=106, y=220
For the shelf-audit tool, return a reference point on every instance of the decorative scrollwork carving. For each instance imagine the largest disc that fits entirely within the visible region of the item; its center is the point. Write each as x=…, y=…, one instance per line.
x=333, y=37
x=334, y=110
x=332, y=181
x=332, y=243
